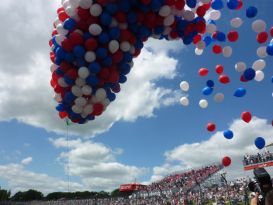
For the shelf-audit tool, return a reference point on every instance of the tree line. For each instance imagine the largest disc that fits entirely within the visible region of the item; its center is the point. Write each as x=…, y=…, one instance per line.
x=30, y=195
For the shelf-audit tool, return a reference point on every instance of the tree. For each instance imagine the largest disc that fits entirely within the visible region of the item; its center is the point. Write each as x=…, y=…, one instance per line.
x=4, y=195
x=28, y=195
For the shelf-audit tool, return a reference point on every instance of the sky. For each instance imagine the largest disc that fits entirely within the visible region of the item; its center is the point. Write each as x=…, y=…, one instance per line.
x=145, y=134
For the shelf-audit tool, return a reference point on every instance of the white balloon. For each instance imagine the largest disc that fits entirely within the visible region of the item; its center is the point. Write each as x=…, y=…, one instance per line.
x=95, y=10
x=74, y=3
x=169, y=20
x=86, y=90
x=165, y=11
x=203, y=103
x=62, y=83
x=100, y=94
x=188, y=15
x=95, y=29
x=125, y=46
x=88, y=109
x=59, y=39
x=259, y=75
x=215, y=15
x=90, y=56
x=83, y=72
x=123, y=26
x=240, y=66
x=211, y=28
x=85, y=4
x=58, y=98
x=114, y=23
x=184, y=85
x=81, y=101
x=184, y=101
x=236, y=22
x=198, y=51
x=261, y=52
x=201, y=45
x=77, y=109
x=53, y=67
x=60, y=29
x=258, y=26
x=227, y=51
x=105, y=103
x=219, y=97
x=259, y=64
x=132, y=50
x=77, y=91
x=70, y=11
x=80, y=82
x=113, y=46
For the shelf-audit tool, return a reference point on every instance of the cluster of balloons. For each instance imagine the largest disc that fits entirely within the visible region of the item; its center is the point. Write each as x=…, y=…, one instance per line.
x=94, y=42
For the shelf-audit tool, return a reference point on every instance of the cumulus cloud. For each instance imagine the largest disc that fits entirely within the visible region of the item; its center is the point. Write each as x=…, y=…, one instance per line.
x=20, y=179
x=214, y=149
x=25, y=93
x=26, y=161
x=95, y=164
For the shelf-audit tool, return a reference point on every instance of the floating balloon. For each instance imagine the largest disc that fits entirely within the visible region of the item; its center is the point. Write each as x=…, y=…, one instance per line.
x=271, y=31
x=249, y=74
x=246, y=116
x=259, y=75
x=260, y=142
x=215, y=15
x=236, y=22
x=210, y=83
x=227, y=51
x=261, y=52
x=203, y=103
x=251, y=12
x=217, y=4
x=203, y=71
x=224, y=79
x=184, y=101
x=217, y=49
x=211, y=127
x=207, y=90
x=226, y=161
x=219, y=97
x=240, y=66
x=262, y=37
x=269, y=49
x=259, y=64
x=184, y=85
x=228, y=134
x=258, y=26
x=233, y=36
x=240, y=92
x=219, y=69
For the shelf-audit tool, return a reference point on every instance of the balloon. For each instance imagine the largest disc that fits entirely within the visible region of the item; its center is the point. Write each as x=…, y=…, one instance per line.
x=259, y=75
x=210, y=83
x=227, y=51
x=228, y=134
x=246, y=116
x=203, y=71
x=261, y=52
x=184, y=85
x=217, y=49
x=251, y=12
x=249, y=74
x=207, y=90
x=219, y=97
x=198, y=51
x=240, y=66
x=224, y=79
x=259, y=64
x=219, y=69
x=203, y=103
x=217, y=4
x=211, y=127
x=269, y=49
x=236, y=22
x=260, y=142
x=215, y=15
x=226, y=161
x=233, y=36
x=184, y=101
x=240, y=92
x=232, y=4
x=262, y=37
x=258, y=26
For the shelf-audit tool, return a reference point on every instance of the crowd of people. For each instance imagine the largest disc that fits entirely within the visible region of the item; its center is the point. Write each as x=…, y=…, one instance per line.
x=258, y=158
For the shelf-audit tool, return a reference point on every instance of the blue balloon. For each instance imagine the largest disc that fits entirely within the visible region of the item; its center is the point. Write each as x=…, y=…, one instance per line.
x=105, y=19
x=69, y=98
x=232, y=4
x=156, y=5
x=210, y=83
x=122, y=78
x=249, y=74
x=240, y=92
x=132, y=17
x=207, y=90
x=217, y=4
x=107, y=61
x=104, y=38
x=207, y=40
x=69, y=24
x=269, y=49
x=221, y=36
x=114, y=33
x=111, y=8
x=60, y=107
x=228, y=134
x=94, y=67
x=260, y=142
x=60, y=53
x=125, y=69
x=80, y=62
x=92, y=80
x=68, y=81
x=59, y=71
x=101, y=53
x=191, y=3
x=251, y=12
x=69, y=57
x=79, y=51
x=272, y=79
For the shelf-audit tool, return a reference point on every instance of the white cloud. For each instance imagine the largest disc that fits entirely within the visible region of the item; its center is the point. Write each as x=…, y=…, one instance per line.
x=20, y=179
x=96, y=164
x=25, y=92
x=214, y=149
x=26, y=161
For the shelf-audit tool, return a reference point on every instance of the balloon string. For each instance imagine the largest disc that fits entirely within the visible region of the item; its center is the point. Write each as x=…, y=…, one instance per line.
x=68, y=167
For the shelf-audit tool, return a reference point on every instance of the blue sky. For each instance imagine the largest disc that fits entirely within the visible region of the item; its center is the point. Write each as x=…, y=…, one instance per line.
x=146, y=133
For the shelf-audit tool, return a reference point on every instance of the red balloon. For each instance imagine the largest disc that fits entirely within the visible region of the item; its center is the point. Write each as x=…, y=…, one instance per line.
x=242, y=79
x=246, y=116
x=271, y=31
x=211, y=126
x=240, y=5
x=98, y=109
x=201, y=11
x=219, y=69
x=62, y=115
x=262, y=37
x=226, y=161
x=224, y=79
x=272, y=122
x=233, y=36
x=203, y=71
x=217, y=49
x=197, y=38
x=91, y=44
